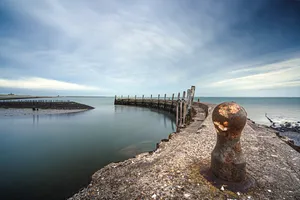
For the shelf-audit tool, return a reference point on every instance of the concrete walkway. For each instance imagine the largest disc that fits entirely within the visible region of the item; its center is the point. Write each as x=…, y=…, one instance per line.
x=179, y=168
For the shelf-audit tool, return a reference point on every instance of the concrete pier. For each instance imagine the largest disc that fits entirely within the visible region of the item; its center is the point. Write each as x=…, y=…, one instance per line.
x=180, y=167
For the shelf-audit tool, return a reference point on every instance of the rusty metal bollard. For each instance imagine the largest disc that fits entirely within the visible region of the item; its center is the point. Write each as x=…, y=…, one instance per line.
x=227, y=160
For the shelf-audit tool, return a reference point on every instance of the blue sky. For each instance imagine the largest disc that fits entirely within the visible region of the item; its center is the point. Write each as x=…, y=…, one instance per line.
x=224, y=48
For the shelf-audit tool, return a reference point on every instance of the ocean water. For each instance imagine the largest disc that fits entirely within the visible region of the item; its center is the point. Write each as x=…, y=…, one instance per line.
x=278, y=109
x=53, y=156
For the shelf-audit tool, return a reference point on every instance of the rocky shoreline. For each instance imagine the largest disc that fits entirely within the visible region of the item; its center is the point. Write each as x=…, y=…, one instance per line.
x=179, y=167
x=12, y=112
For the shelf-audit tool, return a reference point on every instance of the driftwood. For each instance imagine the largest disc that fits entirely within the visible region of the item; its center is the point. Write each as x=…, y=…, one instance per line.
x=285, y=126
x=287, y=131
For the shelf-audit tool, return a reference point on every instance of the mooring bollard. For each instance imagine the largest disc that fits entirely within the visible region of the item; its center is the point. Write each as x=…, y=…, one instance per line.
x=227, y=160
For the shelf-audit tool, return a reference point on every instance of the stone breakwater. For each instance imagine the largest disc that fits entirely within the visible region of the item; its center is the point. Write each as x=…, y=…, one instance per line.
x=179, y=167
x=45, y=104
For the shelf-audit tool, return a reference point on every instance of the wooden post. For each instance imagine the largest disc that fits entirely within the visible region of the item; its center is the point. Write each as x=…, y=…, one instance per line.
x=115, y=99
x=165, y=100
x=128, y=99
x=193, y=93
x=143, y=99
x=198, y=100
x=158, y=100
x=172, y=102
x=184, y=108
x=135, y=99
x=180, y=112
x=189, y=94
x=177, y=112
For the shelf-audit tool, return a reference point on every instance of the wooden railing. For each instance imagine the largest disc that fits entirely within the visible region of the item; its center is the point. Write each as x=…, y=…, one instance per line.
x=181, y=106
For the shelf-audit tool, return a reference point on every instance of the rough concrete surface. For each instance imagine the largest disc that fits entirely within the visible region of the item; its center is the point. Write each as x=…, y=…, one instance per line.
x=179, y=167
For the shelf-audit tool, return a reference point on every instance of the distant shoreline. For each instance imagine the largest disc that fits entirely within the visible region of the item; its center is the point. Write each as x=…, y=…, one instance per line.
x=13, y=112
x=12, y=97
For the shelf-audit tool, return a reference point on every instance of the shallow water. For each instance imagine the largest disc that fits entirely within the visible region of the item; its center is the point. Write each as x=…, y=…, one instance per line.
x=53, y=156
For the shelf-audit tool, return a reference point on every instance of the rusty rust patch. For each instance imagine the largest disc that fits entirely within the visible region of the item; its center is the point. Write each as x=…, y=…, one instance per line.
x=220, y=126
x=224, y=110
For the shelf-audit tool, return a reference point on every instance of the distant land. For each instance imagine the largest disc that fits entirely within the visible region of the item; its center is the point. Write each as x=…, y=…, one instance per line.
x=13, y=96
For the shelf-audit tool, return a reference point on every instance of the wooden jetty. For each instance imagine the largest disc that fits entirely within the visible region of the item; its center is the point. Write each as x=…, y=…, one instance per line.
x=180, y=106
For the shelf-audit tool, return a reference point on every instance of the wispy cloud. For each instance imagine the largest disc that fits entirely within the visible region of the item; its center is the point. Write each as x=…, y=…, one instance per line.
x=276, y=75
x=146, y=46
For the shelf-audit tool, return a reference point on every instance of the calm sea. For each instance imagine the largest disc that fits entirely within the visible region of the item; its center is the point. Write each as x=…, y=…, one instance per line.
x=53, y=156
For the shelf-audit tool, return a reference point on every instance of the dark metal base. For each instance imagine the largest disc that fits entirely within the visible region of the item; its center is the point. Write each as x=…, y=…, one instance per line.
x=242, y=186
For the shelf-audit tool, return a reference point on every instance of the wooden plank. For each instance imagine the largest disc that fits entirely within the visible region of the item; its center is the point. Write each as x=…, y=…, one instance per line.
x=184, y=108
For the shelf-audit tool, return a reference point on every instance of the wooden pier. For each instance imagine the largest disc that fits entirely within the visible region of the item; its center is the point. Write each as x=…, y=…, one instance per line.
x=180, y=106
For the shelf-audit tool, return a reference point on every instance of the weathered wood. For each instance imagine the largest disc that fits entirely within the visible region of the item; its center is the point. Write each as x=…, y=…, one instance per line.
x=189, y=93
x=177, y=115
x=193, y=93
x=158, y=101
x=184, y=109
x=172, y=102
x=180, y=113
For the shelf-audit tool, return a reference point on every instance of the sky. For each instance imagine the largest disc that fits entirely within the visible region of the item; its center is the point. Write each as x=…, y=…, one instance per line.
x=231, y=48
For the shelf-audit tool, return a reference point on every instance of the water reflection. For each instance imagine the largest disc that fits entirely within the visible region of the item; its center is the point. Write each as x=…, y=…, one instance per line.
x=167, y=116
x=53, y=116
x=35, y=120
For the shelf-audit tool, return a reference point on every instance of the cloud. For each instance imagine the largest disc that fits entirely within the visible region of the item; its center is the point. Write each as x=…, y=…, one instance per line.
x=276, y=75
x=146, y=46
x=42, y=83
